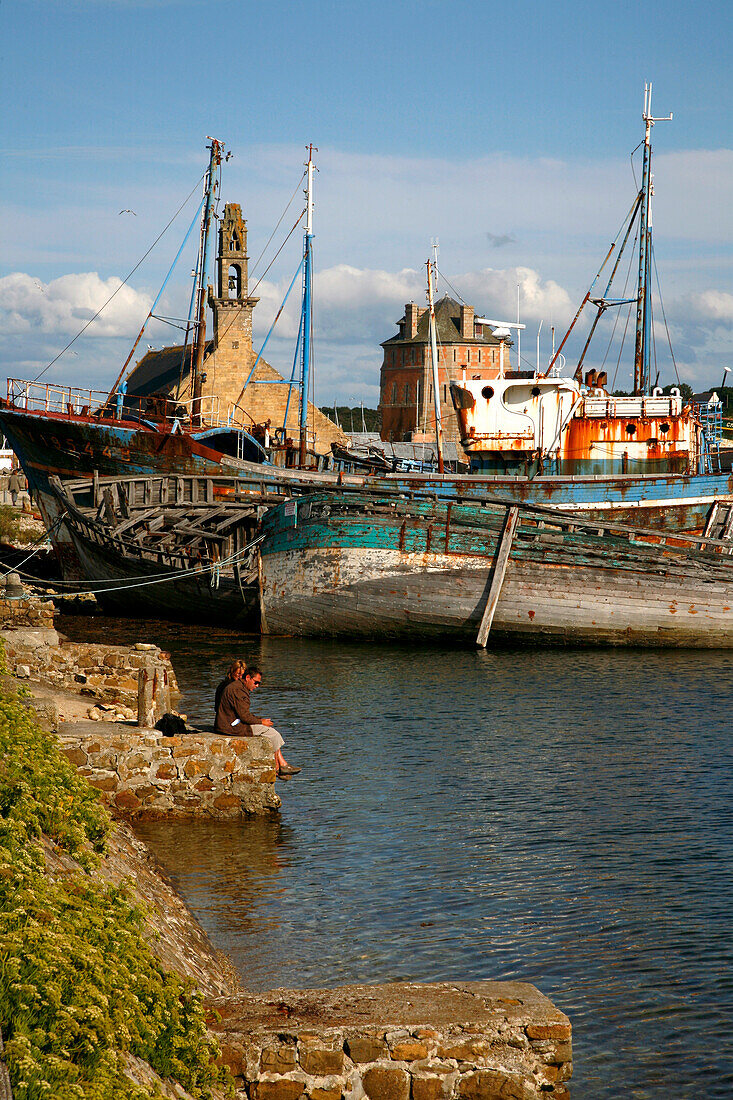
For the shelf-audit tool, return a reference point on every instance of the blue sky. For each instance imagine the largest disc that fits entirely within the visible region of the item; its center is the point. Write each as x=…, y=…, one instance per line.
x=504, y=130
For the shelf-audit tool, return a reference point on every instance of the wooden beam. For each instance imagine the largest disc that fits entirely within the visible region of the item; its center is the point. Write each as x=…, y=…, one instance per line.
x=497, y=575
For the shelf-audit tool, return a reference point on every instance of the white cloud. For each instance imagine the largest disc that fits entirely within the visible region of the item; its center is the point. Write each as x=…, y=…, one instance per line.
x=364, y=304
x=710, y=305
x=63, y=306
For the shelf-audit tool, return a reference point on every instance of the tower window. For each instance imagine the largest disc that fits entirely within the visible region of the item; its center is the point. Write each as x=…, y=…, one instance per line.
x=234, y=281
x=407, y=392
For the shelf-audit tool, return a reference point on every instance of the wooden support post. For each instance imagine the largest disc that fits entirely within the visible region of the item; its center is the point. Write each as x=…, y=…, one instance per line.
x=497, y=576
x=153, y=693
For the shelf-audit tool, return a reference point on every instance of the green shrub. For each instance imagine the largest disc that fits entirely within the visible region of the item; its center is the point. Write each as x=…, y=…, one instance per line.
x=79, y=985
x=9, y=523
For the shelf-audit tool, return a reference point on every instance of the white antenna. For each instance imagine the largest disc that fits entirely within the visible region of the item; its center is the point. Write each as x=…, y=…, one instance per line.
x=435, y=245
x=539, y=330
x=500, y=329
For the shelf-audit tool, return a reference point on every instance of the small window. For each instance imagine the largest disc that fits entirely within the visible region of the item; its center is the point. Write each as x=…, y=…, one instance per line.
x=235, y=344
x=479, y=355
x=468, y=355
x=394, y=393
x=455, y=355
x=445, y=393
x=407, y=392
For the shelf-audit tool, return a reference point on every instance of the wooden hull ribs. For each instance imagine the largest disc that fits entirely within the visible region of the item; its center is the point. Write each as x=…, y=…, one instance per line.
x=173, y=558
x=411, y=569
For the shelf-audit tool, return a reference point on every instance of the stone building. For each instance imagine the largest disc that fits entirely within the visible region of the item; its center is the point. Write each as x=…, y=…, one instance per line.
x=229, y=355
x=406, y=383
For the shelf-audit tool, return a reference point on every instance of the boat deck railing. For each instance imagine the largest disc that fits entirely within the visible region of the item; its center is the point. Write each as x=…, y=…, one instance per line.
x=74, y=401
x=605, y=407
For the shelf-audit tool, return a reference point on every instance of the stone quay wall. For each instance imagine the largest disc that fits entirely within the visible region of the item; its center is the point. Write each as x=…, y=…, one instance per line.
x=143, y=775
x=404, y=1041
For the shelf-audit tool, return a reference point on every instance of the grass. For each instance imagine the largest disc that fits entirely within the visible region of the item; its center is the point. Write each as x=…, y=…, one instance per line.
x=79, y=985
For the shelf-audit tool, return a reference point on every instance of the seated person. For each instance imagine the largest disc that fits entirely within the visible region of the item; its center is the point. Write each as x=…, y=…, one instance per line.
x=235, y=719
x=236, y=672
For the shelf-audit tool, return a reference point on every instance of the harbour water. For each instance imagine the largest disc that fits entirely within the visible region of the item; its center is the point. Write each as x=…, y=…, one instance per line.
x=556, y=816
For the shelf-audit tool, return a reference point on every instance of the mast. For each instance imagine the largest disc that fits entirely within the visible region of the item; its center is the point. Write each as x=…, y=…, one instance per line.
x=216, y=148
x=642, y=353
x=306, y=308
x=434, y=358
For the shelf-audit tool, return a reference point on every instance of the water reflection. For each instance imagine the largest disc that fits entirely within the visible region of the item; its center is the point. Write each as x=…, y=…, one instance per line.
x=561, y=817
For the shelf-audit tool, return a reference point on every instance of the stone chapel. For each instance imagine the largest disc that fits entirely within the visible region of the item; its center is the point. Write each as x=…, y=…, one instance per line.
x=229, y=354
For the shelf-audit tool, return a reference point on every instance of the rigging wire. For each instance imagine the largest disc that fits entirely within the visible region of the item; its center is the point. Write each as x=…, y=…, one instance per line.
x=123, y=283
x=664, y=315
x=38, y=546
x=264, y=250
x=629, y=269
x=282, y=246
x=155, y=578
x=651, y=330
x=445, y=279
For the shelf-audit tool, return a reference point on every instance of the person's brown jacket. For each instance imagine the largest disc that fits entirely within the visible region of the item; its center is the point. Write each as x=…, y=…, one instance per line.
x=234, y=718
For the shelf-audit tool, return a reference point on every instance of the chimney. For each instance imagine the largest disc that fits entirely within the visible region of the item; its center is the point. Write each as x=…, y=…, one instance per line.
x=412, y=316
x=467, y=330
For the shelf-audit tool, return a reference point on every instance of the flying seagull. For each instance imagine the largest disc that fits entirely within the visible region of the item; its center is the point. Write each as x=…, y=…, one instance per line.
x=127, y=212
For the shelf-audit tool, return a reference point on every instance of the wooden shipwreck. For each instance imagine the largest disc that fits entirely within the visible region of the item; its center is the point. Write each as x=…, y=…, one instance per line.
x=376, y=565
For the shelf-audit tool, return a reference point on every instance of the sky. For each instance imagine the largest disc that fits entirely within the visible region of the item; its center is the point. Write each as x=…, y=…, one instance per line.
x=504, y=131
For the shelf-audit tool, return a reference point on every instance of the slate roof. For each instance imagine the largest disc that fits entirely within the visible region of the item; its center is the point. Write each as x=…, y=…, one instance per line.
x=447, y=327
x=159, y=370
x=709, y=397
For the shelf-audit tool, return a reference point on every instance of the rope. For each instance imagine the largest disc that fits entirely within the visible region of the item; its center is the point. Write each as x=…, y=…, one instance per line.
x=38, y=542
x=156, y=578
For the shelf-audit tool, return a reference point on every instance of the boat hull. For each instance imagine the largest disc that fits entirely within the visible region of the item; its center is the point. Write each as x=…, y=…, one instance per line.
x=151, y=590
x=370, y=579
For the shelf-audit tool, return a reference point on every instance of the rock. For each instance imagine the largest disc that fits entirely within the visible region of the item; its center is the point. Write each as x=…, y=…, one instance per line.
x=427, y=1088
x=366, y=1050
x=489, y=1084
x=386, y=1083
x=409, y=1051
x=23, y=672
x=284, y=1089
x=278, y=1059
x=321, y=1063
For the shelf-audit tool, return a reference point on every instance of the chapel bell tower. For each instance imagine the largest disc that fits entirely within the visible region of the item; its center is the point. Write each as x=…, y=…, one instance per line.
x=229, y=366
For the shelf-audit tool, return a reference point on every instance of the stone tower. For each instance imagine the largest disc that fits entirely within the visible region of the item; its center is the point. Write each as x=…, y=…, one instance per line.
x=227, y=367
